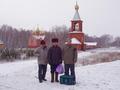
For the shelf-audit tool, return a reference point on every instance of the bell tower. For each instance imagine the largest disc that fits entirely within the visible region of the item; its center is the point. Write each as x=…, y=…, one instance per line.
x=76, y=23
x=76, y=33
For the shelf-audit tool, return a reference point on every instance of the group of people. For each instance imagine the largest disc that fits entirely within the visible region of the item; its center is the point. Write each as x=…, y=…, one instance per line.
x=54, y=56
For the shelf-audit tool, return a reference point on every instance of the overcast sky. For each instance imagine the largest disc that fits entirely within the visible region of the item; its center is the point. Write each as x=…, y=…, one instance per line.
x=99, y=16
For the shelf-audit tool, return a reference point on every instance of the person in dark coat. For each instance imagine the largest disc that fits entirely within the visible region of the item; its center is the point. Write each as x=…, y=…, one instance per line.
x=54, y=58
x=41, y=52
x=69, y=58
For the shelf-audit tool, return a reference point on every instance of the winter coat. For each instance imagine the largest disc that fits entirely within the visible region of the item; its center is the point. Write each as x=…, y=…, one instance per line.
x=41, y=53
x=54, y=55
x=69, y=54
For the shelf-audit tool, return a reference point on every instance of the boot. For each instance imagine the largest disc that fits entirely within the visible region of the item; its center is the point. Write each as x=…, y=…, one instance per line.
x=44, y=79
x=56, y=77
x=40, y=81
x=52, y=77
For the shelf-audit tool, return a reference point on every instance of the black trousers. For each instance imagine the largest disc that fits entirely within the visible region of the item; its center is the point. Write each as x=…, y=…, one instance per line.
x=71, y=68
x=53, y=68
x=42, y=71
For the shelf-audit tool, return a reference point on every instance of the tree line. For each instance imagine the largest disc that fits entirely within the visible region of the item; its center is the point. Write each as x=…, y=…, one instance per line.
x=15, y=39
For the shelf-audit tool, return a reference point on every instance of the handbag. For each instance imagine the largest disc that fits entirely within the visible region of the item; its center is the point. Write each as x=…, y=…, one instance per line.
x=60, y=69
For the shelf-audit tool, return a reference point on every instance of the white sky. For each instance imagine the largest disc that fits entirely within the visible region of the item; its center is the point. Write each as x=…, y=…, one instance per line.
x=99, y=16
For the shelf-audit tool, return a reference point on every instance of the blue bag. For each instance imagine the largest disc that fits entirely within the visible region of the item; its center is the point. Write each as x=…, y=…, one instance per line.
x=67, y=80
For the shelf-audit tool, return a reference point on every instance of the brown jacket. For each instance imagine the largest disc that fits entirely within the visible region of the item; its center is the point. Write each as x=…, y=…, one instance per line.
x=42, y=55
x=69, y=54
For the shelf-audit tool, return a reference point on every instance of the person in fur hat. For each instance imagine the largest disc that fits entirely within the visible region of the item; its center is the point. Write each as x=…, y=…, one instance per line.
x=69, y=58
x=54, y=59
x=41, y=53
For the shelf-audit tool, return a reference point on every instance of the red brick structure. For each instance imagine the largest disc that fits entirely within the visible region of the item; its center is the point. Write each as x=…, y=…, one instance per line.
x=33, y=42
x=2, y=45
x=35, y=38
x=76, y=35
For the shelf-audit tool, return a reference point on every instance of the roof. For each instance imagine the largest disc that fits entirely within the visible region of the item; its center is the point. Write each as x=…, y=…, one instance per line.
x=39, y=37
x=76, y=16
x=76, y=32
x=91, y=43
x=75, y=41
x=1, y=42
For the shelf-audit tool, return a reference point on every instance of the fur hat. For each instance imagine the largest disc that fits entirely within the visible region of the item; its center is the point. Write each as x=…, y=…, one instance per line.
x=42, y=42
x=54, y=40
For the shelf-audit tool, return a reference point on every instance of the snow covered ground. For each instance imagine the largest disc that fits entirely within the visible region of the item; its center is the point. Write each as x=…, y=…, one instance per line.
x=22, y=76
x=97, y=51
x=98, y=55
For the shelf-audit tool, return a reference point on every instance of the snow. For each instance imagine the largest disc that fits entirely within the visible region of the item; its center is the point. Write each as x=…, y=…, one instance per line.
x=91, y=43
x=1, y=42
x=75, y=41
x=110, y=49
x=76, y=32
x=11, y=67
x=39, y=37
x=103, y=76
x=22, y=76
x=83, y=54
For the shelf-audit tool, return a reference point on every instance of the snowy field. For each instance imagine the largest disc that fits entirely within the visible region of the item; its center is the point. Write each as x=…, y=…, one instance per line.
x=97, y=51
x=100, y=55
x=22, y=76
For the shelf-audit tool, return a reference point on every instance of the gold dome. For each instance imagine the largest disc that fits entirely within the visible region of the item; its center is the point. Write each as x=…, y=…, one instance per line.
x=38, y=31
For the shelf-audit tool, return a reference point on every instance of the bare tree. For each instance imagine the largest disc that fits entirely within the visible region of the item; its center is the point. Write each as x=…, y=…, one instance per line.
x=116, y=42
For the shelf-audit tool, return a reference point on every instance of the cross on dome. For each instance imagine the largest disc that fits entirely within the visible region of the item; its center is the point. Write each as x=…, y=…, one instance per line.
x=76, y=15
x=76, y=7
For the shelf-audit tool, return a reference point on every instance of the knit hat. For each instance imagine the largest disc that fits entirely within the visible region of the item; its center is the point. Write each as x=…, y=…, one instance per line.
x=54, y=40
x=42, y=42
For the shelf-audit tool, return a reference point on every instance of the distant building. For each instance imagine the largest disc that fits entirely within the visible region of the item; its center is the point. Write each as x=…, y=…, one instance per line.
x=2, y=45
x=76, y=35
x=90, y=45
x=35, y=38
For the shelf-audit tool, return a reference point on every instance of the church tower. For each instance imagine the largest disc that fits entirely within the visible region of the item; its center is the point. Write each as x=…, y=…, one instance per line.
x=76, y=33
